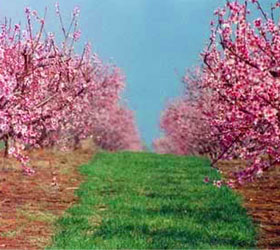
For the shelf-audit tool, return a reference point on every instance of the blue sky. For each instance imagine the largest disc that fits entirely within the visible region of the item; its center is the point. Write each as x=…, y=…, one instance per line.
x=152, y=41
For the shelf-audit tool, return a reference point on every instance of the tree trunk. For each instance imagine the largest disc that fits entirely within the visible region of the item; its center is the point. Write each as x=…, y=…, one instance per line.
x=6, y=150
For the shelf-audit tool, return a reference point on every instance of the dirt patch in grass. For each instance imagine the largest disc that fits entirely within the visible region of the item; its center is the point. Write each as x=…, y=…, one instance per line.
x=29, y=205
x=262, y=200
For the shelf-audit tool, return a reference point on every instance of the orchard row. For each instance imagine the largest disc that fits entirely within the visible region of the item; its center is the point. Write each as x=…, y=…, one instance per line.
x=231, y=105
x=51, y=95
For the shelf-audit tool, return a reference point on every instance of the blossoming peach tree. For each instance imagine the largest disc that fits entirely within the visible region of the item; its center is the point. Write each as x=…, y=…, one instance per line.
x=240, y=82
x=115, y=129
x=186, y=129
x=49, y=92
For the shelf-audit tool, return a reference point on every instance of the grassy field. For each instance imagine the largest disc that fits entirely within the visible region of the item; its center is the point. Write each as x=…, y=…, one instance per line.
x=149, y=201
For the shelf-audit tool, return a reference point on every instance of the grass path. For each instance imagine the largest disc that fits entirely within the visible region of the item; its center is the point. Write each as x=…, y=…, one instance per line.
x=149, y=201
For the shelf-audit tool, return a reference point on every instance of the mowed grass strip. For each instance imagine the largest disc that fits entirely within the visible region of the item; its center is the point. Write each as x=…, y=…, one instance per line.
x=149, y=201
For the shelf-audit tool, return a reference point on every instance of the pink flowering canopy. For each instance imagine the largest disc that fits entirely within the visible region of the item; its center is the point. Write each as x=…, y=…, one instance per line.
x=185, y=127
x=115, y=130
x=164, y=145
x=242, y=73
x=239, y=90
x=185, y=134
x=51, y=94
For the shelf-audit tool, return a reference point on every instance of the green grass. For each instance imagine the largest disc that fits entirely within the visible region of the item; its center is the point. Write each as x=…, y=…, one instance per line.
x=149, y=201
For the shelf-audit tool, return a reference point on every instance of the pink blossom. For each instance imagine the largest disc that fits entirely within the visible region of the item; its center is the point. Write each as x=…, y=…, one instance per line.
x=17, y=27
x=77, y=35
x=230, y=184
x=258, y=23
x=76, y=11
x=206, y=179
x=57, y=9
x=27, y=10
x=28, y=171
x=218, y=183
x=34, y=13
